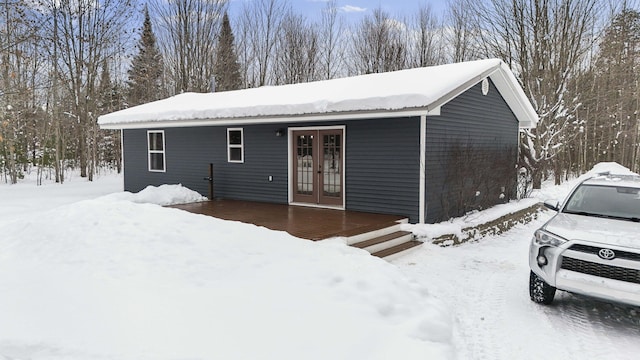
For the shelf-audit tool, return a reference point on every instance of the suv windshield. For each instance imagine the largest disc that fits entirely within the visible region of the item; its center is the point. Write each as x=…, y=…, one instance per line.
x=605, y=201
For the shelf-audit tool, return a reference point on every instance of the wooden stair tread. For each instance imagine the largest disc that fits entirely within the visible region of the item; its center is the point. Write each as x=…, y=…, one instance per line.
x=380, y=239
x=368, y=228
x=396, y=249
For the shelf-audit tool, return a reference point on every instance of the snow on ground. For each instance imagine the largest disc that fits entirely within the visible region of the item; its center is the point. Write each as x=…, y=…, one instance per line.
x=107, y=278
x=27, y=199
x=549, y=191
x=486, y=286
x=87, y=276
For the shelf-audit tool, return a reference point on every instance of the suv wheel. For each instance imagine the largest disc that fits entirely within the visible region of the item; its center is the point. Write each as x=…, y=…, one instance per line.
x=540, y=291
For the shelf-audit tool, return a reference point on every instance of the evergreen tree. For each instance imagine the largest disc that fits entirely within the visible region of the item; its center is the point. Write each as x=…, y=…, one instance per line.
x=226, y=68
x=612, y=132
x=107, y=148
x=145, y=75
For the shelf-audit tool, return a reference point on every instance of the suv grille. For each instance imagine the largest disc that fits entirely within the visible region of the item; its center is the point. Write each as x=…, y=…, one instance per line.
x=605, y=271
x=594, y=250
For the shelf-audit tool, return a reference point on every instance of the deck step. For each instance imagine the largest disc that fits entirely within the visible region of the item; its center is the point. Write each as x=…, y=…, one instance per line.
x=398, y=250
x=382, y=242
x=373, y=232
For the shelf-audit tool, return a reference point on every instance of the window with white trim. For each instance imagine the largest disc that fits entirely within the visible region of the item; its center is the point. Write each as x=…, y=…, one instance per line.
x=235, y=145
x=155, y=141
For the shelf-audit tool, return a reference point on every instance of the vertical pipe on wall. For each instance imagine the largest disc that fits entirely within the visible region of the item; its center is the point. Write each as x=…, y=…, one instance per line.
x=210, y=181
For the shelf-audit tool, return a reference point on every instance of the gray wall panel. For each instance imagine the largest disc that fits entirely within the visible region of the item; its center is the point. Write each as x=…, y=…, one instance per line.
x=382, y=157
x=382, y=167
x=483, y=122
x=190, y=150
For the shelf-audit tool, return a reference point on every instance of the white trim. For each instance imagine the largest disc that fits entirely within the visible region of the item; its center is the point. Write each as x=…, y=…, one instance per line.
x=289, y=167
x=435, y=110
x=122, y=157
x=342, y=165
x=423, y=169
x=514, y=96
x=235, y=146
x=163, y=152
x=332, y=207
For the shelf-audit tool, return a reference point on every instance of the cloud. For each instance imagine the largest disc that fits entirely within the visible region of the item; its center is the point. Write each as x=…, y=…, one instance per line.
x=351, y=8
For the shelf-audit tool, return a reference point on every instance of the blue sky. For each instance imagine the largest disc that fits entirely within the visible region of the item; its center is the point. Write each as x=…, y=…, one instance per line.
x=353, y=10
x=357, y=8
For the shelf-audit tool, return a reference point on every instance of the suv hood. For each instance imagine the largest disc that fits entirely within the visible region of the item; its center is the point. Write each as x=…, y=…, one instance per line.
x=594, y=229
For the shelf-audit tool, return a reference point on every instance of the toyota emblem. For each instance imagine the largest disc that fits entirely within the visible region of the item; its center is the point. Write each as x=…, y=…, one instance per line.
x=606, y=254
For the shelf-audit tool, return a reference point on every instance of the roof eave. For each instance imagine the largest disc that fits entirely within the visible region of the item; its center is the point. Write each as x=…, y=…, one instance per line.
x=509, y=88
x=279, y=119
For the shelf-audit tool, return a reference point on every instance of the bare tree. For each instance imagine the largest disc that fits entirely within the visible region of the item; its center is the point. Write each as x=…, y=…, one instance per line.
x=331, y=41
x=462, y=31
x=19, y=67
x=545, y=42
x=86, y=34
x=259, y=27
x=426, y=39
x=379, y=44
x=187, y=33
x=297, y=51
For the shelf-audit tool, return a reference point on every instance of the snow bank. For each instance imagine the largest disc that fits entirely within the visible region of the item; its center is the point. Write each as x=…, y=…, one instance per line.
x=114, y=279
x=160, y=195
x=455, y=226
x=549, y=191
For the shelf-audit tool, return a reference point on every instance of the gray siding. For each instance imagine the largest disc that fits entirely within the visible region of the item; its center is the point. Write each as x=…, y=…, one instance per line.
x=189, y=151
x=382, y=158
x=383, y=161
x=485, y=123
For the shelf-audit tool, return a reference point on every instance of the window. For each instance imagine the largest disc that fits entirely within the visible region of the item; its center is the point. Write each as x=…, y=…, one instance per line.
x=235, y=144
x=155, y=141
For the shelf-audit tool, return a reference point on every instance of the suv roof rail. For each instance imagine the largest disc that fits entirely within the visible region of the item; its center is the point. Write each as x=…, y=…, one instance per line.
x=604, y=173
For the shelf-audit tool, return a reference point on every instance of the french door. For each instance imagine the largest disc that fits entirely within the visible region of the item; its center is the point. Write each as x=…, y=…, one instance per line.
x=317, y=166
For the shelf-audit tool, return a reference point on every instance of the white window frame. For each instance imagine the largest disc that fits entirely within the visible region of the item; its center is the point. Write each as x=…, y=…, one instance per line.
x=150, y=152
x=235, y=146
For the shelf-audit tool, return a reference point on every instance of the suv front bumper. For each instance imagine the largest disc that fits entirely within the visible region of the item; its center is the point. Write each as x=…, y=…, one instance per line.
x=576, y=267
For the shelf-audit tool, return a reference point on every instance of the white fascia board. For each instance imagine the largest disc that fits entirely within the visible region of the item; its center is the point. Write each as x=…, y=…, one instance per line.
x=461, y=89
x=274, y=119
x=510, y=90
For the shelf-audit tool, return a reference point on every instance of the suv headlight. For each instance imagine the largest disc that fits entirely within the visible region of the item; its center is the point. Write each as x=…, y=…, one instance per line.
x=542, y=237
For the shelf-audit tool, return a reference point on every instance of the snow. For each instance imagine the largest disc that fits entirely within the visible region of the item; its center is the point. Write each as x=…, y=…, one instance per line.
x=405, y=89
x=90, y=272
x=110, y=277
x=160, y=195
x=549, y=192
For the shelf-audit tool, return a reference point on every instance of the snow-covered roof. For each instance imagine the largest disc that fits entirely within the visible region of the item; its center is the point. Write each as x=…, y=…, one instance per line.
x=420, y=91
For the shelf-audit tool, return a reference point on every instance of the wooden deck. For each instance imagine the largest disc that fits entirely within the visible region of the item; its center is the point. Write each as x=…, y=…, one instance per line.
x=300, y=221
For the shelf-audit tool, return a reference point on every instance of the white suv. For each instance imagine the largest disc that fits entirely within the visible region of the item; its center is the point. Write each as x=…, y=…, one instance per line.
x=592, y=245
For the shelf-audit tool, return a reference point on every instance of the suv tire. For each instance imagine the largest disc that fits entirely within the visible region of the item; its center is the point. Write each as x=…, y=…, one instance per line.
x=539, y=291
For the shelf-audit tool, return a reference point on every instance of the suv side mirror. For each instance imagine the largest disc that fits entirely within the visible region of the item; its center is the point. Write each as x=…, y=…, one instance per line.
x=552, y=204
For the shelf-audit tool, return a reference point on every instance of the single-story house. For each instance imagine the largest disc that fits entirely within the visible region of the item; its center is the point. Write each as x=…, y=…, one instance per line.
x=403, y=143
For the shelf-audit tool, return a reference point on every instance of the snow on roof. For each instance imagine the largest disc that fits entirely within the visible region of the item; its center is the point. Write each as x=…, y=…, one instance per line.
x=384, y=94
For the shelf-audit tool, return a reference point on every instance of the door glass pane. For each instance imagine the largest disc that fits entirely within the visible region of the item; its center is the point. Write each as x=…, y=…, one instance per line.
x=331, y=172
x=305, y=164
